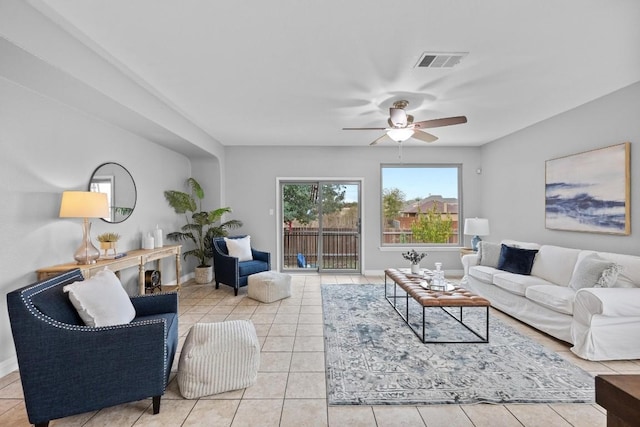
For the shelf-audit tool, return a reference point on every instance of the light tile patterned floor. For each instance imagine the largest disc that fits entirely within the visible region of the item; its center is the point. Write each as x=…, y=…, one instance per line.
x=291, y=386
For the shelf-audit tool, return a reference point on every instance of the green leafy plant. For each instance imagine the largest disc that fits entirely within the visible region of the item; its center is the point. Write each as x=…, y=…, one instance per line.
x=108, y=237
x=201, y=226
x=431, y=227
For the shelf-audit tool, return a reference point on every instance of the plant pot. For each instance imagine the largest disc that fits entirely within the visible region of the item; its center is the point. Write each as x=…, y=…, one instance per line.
x=415, y=268
x=105, y=246
x=204, y=274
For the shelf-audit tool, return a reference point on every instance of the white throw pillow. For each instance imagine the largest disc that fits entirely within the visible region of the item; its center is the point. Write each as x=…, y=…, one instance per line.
x=593, y=271
x=609, y=277
x=240, y=248
x=101, y=300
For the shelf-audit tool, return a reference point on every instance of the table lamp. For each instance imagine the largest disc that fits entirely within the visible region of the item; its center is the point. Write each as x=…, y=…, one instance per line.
x=476, y=227
x=84, y=204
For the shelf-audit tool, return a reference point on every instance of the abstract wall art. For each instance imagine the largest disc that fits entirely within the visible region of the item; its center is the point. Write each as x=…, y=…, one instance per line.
x=589, y=191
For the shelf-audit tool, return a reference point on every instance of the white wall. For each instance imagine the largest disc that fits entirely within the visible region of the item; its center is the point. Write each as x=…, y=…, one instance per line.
x=65, y=108
x=513, y=176
x=251, y=189
x=47, y=148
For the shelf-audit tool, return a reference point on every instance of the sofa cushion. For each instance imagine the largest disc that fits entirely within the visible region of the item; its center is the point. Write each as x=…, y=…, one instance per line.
x=101, y=300
x=483, y=273
x=593, y=271
x=516, y=260
x=240, y=248
x=517, y=283
x=555, y=264
x=488, y=254
x=247, y=268
x=554, y=297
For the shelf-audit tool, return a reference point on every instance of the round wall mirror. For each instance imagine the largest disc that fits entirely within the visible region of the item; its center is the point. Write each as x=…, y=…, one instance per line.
x=115, y=180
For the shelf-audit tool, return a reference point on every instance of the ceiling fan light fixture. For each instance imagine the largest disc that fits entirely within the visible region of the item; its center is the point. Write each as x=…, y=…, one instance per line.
x=398, y=117
x=400, y=135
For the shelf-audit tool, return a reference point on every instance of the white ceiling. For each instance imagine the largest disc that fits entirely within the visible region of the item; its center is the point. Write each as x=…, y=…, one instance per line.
x=291, y=72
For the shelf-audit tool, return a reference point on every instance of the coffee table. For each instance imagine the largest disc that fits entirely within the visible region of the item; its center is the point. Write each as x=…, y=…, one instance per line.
x=412, y=288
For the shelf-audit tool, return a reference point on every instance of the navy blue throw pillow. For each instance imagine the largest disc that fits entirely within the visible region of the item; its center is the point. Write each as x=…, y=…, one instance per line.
x=516, y=260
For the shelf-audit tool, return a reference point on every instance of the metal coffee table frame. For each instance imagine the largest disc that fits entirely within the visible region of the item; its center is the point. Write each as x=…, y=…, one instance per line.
x=422, y=336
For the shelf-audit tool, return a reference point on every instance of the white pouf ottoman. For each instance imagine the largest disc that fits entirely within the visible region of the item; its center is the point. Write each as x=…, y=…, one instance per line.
x=218, y=357
x=269, y=286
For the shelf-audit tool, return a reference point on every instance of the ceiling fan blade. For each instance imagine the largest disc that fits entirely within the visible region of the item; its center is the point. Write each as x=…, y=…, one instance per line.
x=377, y=141
x=423, y=136
x=436, y=123
x=364, y=128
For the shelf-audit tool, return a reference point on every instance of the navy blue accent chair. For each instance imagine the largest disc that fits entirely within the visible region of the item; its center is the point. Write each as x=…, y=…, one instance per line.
x=68, y=368
x=231, y=272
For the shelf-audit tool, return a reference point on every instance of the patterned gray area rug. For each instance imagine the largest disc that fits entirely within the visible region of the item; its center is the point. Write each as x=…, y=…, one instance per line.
x=373, y=358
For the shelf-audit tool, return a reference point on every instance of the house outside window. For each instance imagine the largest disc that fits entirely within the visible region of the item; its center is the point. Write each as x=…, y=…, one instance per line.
x=420, y=204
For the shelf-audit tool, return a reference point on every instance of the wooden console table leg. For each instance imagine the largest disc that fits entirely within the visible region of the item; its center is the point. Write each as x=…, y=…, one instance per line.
x=141, y=278
x=178, y=270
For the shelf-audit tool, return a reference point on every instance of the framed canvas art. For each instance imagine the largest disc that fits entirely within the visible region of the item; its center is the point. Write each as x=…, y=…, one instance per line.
x=589, y=191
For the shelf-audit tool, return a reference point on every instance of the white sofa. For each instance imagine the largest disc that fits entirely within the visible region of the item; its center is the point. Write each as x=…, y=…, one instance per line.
x=602, y=323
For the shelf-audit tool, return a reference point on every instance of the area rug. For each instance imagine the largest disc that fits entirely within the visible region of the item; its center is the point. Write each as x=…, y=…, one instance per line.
x=373, y=358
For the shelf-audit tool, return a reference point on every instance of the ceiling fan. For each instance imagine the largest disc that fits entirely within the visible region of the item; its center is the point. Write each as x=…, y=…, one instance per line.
x=401, y=125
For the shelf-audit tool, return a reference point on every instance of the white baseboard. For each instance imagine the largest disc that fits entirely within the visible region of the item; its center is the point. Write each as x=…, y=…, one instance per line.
x=8, y=366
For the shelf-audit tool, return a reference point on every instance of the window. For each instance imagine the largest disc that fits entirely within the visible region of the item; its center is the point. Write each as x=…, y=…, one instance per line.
x=420, y=204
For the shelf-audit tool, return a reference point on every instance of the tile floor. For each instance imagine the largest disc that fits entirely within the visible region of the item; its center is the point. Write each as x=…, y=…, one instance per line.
x=291, y=389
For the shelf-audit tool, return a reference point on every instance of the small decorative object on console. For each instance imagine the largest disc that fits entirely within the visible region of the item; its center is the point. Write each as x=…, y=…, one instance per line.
x=108, y=241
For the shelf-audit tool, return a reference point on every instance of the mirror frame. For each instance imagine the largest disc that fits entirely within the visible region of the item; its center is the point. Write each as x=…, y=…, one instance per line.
x=112, y=184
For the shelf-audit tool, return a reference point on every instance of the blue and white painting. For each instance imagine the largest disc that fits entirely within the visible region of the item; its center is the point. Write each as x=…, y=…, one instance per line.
x=589, y=191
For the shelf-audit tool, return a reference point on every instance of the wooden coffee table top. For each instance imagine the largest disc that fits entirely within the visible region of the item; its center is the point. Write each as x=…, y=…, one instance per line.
x=458, y=297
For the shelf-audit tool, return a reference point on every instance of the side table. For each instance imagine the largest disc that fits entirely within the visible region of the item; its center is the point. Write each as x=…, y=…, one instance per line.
x=467, y=251
x=620, y=396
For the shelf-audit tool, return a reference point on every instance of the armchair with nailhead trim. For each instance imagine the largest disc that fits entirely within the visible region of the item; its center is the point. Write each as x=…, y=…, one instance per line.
x=233, y=272
x=67, y=368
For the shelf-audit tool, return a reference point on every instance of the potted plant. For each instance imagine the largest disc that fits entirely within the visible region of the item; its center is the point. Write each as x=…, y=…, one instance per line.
x=201, y=226
x=414, y=258
x=108, y=241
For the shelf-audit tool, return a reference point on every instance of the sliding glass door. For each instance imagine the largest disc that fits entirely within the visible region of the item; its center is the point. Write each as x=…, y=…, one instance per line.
x=320, y=226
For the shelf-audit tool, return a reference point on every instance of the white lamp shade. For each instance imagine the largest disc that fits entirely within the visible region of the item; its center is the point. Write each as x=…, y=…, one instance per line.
x=84, y=204
x=400, y=135
x=476, y=226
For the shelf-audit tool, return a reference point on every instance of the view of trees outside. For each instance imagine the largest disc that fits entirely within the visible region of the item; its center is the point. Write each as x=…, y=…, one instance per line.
x=300, y=203
x=432, y=227
x=420, y=204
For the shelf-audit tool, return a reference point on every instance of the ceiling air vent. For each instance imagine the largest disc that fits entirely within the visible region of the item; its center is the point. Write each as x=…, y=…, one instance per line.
x=440, y=60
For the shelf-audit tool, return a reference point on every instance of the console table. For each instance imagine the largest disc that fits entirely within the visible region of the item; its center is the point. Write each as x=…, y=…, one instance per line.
x=137, y=257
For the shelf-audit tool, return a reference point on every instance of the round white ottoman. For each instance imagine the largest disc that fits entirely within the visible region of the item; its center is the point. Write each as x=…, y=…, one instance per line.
x=269, y=286
x=218, y=357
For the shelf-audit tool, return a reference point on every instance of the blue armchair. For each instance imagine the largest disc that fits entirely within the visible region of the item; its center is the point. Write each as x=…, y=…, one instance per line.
x=230, y=271
x=68, y=368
